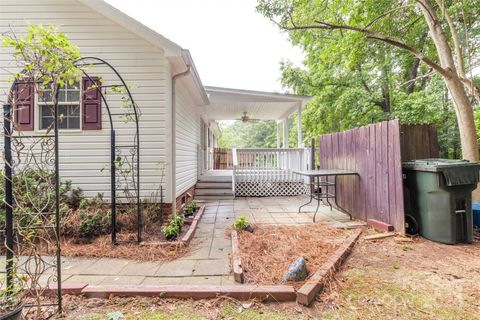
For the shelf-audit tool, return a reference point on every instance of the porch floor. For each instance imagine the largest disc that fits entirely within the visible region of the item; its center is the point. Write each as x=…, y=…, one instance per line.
x=208, y=262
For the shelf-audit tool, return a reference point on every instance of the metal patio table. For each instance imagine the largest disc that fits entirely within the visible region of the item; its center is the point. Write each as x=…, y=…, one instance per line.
x=317, y=193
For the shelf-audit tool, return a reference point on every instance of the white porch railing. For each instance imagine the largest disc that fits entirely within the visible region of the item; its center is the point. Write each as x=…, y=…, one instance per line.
x=269, y=165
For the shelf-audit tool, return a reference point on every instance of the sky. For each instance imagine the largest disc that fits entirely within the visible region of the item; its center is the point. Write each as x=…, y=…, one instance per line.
x=231, y=44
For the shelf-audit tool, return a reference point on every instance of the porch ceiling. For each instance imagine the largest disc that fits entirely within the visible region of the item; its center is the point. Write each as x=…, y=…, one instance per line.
x=230, y=104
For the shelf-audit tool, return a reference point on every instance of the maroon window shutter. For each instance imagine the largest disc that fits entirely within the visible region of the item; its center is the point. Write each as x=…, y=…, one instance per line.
x=24, y=105
x=91, y=104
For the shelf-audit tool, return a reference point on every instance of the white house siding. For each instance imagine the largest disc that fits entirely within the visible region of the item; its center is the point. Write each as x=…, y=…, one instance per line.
x=83, y=154
x=187, y=139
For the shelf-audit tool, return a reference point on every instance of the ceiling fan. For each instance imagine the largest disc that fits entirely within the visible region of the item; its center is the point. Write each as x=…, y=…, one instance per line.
x=246, y=118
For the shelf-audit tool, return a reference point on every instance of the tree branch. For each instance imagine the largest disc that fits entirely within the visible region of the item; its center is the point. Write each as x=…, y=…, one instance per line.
x=383, y=15
x=377, y=36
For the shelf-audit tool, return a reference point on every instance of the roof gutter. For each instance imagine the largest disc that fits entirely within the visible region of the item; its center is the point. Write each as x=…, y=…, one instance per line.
x=188, y=60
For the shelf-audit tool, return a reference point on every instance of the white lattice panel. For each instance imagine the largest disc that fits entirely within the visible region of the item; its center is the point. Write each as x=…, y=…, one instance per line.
x=270, y=189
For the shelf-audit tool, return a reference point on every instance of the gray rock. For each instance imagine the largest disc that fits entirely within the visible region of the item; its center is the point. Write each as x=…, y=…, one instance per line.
x=297, y=271
x=249, y=228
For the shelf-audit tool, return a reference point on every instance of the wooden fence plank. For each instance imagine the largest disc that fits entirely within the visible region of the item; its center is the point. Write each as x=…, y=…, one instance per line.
x=376, y=152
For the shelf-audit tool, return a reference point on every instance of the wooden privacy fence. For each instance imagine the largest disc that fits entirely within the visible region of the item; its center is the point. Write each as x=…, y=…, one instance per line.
x=376, y=152
x=222, y=158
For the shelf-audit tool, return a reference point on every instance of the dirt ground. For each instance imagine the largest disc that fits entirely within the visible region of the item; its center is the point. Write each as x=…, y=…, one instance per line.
x=384, y=279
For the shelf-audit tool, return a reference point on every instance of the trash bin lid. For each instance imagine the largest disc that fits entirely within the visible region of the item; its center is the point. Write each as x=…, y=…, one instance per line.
x=456, y=172
x=437, y=165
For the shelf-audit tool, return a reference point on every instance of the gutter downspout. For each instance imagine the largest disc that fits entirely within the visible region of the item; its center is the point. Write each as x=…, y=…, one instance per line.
x=175, y=77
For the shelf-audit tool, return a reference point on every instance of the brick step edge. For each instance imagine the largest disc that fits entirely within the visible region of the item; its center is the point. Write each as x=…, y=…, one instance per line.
x=245, y=292
x=306, y=294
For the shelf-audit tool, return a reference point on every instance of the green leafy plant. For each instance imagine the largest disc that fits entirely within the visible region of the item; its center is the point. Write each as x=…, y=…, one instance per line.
x=178, y=222
x=174, y=228
x=241, y=223
x=190, y=208
x=171, y=231
x=93, y=223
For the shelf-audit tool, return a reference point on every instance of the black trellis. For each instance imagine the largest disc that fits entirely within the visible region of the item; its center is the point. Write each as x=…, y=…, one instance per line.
x=116, y=150
x=39, y=150
x=23, y=154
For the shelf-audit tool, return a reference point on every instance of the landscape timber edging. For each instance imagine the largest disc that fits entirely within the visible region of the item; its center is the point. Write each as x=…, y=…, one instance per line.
x=245, y=292
x=379, y=225
x=238, y=274
x=191, y=231
x=187, y=237
x=306, y=294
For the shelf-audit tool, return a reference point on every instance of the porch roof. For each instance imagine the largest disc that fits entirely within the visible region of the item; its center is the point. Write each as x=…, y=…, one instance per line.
x=231, y=104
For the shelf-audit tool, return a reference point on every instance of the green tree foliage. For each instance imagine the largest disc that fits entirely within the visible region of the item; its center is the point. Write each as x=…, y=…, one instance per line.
x=44, y=55
x=259, y=134
x=354, y=81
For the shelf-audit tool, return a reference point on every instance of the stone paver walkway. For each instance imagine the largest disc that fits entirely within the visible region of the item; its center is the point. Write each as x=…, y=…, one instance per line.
x=208, y=262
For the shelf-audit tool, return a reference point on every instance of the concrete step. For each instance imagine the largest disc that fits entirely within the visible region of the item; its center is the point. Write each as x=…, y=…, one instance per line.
x=214, y=178
x=221, y=192
x=207, y=198
x=214, y=185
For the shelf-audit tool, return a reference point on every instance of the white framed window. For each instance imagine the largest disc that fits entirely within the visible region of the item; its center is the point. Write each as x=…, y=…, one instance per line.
x=68, y=108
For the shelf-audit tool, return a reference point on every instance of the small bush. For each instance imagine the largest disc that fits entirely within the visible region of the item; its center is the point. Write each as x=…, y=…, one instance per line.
x=171, y=231
x=174, y=227
x=93, y=223
x=241, y=223
x=191, y=207
x=177, y=221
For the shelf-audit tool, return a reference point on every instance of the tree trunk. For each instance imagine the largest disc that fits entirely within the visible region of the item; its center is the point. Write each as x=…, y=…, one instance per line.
x=465, y=119
x=463, y=106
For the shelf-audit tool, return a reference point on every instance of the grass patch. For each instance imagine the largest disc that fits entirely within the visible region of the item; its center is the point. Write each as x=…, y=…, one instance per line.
x=187, y=312
x=230, y=311
x=367, y=294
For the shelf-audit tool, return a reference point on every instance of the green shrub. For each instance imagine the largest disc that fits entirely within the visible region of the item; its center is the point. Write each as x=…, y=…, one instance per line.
x=34, y=191
x=190, y=208
x=241, y=223
x=174, y=227
x=171, y=231
x=93, y=223
x=177, y=221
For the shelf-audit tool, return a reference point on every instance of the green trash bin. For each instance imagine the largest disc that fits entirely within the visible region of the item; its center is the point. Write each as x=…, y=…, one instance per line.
x=438, y=197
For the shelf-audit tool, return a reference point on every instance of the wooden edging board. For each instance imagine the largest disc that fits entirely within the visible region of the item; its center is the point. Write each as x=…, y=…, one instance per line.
x=306, y=293
x=245, y=292
x=187, y=237
x=191, y=231
x=236, y=260
x=379, y=225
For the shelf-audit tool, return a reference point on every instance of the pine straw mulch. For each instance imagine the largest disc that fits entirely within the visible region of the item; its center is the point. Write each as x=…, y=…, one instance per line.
x=127, y=248
x=267, y=252
x=152, y=248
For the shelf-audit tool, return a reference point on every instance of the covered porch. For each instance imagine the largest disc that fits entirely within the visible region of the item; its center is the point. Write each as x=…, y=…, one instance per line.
x=230, y=172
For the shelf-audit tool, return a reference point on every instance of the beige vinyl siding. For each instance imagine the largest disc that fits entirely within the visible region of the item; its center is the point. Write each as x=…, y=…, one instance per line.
x=83, y=154
x=187, y=139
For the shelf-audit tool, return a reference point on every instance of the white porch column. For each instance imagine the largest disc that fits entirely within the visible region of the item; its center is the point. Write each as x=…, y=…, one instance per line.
x=278, y=135
x=285, y=133
x=300, y=136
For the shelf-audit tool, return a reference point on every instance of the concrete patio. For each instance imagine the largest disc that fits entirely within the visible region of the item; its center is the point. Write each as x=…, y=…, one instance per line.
x=208, y=262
